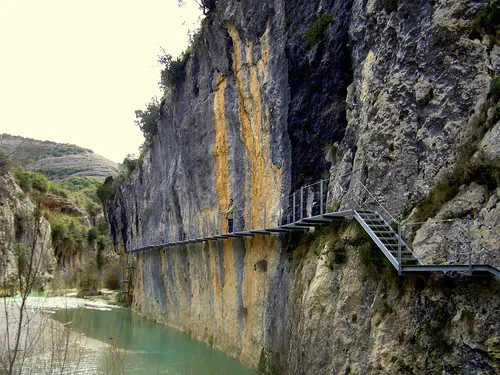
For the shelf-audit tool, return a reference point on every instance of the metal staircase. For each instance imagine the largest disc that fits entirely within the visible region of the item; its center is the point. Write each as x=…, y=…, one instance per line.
x=386, y=238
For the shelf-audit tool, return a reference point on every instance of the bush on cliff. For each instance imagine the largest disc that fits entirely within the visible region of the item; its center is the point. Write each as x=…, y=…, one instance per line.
x=112, y=276
x=174, y=70
x=105, y=190
x=68, y=234
x=317, y=29
x=4, y=163
x=488, y=19
x=147, y=119
x=31, y=180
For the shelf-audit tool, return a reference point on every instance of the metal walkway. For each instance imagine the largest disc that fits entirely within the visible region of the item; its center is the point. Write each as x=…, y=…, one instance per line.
x=307, y=208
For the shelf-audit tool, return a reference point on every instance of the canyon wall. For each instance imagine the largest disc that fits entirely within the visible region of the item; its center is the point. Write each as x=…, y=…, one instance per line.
x=22, y=231
x=389, y=100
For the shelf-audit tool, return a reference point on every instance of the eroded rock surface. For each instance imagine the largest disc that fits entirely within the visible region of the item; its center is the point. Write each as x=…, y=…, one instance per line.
x=394, y=94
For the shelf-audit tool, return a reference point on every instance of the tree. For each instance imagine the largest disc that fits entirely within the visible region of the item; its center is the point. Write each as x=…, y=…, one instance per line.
x=105, y=190
x=205, y=5
x=18, y=341
x=147, y=119
x=130, y=162
x=173, y=73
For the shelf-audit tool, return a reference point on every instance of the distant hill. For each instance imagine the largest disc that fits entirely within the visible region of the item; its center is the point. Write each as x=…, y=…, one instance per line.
x=56, y=160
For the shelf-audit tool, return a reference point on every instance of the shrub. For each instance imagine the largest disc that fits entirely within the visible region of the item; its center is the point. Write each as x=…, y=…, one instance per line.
x=4, y=163
x=495, y=88
x=92, y=235
x=147, y=120
x=174, y=70
x=112, y=276
x=467, y=170
x=496, y=114
x=391, y=5
x=39, y=182
x=105, y=190
x=88, y=277
x=68, y=234
x=207, y=5
x=339, y=255
x=488, y=19
x=31, y=180
x=317, y=29
x=130, y=162
x=78, y=183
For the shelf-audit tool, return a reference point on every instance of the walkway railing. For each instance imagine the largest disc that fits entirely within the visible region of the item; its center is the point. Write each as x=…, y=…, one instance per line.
x=307, y=207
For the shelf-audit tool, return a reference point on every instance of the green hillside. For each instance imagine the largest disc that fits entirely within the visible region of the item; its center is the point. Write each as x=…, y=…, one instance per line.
x=56, y=160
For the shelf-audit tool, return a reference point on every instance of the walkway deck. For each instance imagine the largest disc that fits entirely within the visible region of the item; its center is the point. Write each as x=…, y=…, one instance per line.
x=384, y=236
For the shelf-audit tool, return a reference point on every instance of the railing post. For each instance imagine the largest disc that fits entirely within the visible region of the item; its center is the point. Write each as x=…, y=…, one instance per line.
x=399, y=248
x=301, y=203
x=293, y=209
x=321, y=210
x=469, y=244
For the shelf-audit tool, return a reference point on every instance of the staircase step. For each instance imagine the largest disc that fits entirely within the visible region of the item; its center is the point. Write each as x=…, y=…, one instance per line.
x=384, y=232
x=405, y=256
x=374, y=223
x=385, y=226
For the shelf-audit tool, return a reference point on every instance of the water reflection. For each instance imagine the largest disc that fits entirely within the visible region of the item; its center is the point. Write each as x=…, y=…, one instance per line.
x=150, y=348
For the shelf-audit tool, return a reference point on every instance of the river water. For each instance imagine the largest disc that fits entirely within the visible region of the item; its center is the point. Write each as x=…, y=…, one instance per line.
x=145, y=347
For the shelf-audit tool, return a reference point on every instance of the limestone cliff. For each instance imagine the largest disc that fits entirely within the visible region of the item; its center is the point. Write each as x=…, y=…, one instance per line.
x=22, y=231
x=400, y=95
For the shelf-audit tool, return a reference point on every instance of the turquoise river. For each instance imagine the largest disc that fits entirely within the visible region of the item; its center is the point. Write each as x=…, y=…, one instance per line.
x=147, y=347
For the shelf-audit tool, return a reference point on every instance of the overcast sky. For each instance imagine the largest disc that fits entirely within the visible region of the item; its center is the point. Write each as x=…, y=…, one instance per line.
x=74, y=71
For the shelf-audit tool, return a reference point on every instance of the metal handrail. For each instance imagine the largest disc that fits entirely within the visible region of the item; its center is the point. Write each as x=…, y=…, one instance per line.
x=303, y=203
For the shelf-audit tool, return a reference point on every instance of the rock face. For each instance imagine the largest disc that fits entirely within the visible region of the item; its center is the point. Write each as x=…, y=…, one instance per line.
x=20, y=233
x=398, y=93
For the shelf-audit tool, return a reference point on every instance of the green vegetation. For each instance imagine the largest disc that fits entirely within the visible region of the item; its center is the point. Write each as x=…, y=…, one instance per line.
x=466, y=171
x=488, y=19
x=58, y=173
x=375, y=264
x=495, y=88
x=112, y=276
x=79, y=183
x=69, y=235
x=5, y=163
x=29, y=181
x=130, y=163
x=471, y=165
x=63, y=149
x=390, y=5
x=496, y=114
x=174, y=70
x=317, y=29
x=105, y=191
x=339, y=253
x=88, y=279
x=205, y=5
x=147, y=120
x=331, y=152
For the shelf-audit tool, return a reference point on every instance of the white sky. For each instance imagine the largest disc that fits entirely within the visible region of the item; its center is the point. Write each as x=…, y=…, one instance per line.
x=75, y=71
